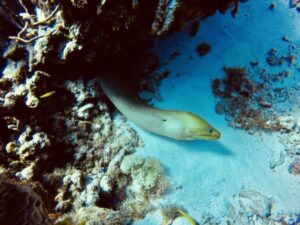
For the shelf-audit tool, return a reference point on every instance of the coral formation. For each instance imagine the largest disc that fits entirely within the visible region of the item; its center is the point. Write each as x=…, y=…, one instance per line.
x=295, y=167
x=93, y=215
x=194, y=28
x=252, y=207
x=256, y=100
x=19, y=205
x=145, y=173
x=203, y=49
x=80, y=164
x=57, y=128
x=252, y=103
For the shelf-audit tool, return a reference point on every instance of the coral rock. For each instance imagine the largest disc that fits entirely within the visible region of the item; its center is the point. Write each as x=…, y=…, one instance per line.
x=19, y=205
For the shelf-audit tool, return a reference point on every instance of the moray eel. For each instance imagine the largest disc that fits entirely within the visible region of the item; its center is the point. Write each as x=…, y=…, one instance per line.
x=179, y=125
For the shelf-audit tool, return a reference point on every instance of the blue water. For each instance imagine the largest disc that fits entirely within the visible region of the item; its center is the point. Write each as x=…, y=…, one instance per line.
x=206, y=176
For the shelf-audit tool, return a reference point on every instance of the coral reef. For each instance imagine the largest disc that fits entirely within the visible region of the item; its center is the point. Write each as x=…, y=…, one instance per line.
x=256, y=100
x=20, y=205
x=93, y=215
x=78, y=160
x=254, y=104
x=57, y=128
x=146, y=174
x=94, y=179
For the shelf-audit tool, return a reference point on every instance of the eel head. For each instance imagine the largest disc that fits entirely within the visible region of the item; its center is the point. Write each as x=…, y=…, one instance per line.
x=196, y=128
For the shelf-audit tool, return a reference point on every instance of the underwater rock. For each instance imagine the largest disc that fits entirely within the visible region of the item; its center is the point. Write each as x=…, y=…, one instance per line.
x=256, y=202
x=164, y=18
x=27, y=173
x=248, y=100
x=294, y=167
x=293, y=3
x=99, y=216
x=194, y=28
x=93, y=177
x=83, y=111
x=272, y=6
x=278, y=162
x=28, y=144
x=19, y=205
x=19, y=85
x=203, y=49
x=274, y=59
x=286, y=38
x=69, y=142
x=253, y=99
x=145, y=173
x=79, y=3
x=253, y=207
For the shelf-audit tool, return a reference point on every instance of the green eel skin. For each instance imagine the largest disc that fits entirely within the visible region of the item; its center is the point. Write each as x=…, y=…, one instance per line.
x=179, y=125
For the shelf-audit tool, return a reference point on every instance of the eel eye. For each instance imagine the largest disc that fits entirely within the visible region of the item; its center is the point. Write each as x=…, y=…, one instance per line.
x=210, y=130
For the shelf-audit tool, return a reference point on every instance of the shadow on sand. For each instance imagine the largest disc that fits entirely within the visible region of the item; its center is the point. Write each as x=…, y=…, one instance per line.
x=215, y=147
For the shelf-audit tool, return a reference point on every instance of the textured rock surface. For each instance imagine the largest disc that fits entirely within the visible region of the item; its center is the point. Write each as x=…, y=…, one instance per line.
x=252, y=207
x=19, y=205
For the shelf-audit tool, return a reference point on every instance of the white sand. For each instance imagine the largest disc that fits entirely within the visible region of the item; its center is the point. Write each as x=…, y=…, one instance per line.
x=211, y=173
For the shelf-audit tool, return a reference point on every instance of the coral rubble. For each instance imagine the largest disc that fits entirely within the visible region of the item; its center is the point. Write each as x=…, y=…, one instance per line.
x=256, y=100
x=252, y=104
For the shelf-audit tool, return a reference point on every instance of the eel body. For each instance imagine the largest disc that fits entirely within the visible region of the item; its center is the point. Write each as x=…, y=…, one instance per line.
x=179, y=125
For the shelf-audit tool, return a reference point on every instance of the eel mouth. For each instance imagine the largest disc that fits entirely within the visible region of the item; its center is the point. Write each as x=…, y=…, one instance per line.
x=216, y=135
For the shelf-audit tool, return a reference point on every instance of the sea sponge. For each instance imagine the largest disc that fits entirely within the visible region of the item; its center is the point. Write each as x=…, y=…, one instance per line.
x=19, y=205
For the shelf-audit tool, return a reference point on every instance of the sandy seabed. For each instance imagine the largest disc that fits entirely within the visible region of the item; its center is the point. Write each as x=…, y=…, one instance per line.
x=243, y=178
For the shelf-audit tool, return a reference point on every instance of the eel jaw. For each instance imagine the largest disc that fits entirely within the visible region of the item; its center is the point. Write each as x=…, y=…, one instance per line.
x=212, y=136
